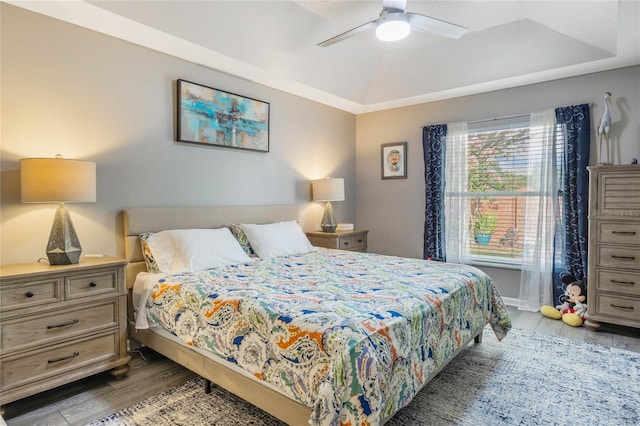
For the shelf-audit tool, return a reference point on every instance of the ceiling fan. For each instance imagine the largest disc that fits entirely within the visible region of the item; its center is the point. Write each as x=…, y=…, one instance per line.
x=395, y=23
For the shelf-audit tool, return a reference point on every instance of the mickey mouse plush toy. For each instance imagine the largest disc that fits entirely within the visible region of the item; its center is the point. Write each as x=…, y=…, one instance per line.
x=573, y=310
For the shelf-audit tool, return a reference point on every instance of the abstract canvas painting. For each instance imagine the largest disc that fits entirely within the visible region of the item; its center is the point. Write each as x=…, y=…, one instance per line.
x=214, y=117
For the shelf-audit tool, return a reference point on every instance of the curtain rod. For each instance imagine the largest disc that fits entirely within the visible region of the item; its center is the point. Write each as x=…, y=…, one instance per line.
x=505, y=117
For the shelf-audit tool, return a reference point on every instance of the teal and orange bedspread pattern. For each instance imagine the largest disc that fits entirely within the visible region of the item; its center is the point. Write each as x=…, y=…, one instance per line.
x=352, y=336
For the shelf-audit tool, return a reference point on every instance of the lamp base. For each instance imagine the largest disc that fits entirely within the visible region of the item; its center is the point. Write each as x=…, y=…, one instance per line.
x=328, y=223
x=63, y=247
x=329, y=228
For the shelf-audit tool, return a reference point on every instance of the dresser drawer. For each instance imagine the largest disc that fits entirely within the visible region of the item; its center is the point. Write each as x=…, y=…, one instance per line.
x=619, y=193
x=322, y=241
x=50, y=361
x=617, y=306
x=55, y=326
x=619, y=282
x=618, y=257
x=30, y=293
x=91, y=285
x=619, y=233
x=353, y=243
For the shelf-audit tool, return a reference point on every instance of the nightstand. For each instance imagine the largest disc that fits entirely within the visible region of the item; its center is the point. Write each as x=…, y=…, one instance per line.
x=62, y=323
x=344, y=240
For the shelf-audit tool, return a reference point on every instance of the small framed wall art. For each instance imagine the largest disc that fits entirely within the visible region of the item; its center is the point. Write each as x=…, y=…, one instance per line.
x=394, y=160
x=214, y=117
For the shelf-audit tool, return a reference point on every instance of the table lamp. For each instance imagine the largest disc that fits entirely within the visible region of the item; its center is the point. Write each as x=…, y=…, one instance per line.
x=58, y=180
x=329, y=189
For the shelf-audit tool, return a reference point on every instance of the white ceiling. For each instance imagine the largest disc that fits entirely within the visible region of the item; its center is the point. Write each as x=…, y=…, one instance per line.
x=509, y=43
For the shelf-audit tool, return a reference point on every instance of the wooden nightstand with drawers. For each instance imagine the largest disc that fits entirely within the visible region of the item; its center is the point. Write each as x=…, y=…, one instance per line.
x=59, y=324
x=344, y=240
x=614, y=246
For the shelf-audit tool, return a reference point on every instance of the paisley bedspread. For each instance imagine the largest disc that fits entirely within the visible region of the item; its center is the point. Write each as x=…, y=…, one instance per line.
x=353, y=336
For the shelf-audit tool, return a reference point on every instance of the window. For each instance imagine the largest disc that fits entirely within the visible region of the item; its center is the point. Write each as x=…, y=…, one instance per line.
x=530, y=178
x=500, y=163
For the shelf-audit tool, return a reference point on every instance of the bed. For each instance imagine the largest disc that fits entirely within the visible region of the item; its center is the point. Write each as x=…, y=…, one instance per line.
x=320, y=337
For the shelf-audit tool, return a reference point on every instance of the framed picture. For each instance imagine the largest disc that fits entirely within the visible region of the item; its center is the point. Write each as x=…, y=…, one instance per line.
x=213, y=117
x=394, y=160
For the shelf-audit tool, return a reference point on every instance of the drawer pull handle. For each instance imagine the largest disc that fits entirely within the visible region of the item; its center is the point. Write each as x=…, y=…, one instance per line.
x=29, y=294
x=63, y=358
x=614, y=256
x=626, y=308
x=93, y=284
x=623, y=282
x=624, y=232
x=64, y=324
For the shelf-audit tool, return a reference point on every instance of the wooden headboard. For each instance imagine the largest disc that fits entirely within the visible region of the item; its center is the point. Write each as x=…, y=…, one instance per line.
x=154, y=219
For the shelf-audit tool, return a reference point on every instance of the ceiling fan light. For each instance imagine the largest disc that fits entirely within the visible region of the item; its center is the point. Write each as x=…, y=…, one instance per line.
x=393, y=29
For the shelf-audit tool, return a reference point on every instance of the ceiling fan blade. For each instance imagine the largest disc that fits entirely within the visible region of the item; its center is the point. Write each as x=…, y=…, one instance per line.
x=357, y=30
x=394, y=4
x=427, y=24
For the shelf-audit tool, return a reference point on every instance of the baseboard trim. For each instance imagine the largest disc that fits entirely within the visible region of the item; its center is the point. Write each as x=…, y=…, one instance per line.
x=510, y=301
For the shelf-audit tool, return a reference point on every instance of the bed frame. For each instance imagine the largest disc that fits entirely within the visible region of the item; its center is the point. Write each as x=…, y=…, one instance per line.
x=153, y=219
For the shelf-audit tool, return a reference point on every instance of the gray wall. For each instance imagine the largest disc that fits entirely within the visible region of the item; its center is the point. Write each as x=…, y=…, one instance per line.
x=393, y=210
x=67, y=90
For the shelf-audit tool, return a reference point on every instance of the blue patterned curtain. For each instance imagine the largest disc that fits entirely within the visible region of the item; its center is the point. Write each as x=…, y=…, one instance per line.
x=574, y=192
x=433, y=150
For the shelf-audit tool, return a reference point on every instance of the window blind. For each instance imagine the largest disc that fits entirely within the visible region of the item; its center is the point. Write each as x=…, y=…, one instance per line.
x=502, y=161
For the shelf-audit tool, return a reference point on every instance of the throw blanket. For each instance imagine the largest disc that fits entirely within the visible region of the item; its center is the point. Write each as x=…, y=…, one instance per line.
x=352, y=336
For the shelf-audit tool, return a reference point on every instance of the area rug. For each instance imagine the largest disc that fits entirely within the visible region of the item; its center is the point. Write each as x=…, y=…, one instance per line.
x=527, y=379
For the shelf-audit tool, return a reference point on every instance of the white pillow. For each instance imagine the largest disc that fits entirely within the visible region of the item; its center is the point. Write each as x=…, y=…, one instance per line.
x=162, y=250
x=277, y=239
x=189, y=250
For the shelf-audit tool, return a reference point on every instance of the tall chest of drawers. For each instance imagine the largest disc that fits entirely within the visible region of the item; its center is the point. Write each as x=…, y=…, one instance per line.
x=61, y=323
x=613, y=294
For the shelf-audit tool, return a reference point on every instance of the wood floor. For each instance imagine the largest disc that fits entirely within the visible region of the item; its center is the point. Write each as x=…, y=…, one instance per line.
x=95, y=397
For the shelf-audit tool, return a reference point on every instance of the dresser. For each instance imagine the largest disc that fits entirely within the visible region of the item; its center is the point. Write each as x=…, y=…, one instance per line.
x=613, y=294
x=355, y=240
x=61, y=323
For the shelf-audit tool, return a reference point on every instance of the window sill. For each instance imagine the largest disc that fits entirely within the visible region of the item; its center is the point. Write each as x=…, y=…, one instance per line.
x=499, y=265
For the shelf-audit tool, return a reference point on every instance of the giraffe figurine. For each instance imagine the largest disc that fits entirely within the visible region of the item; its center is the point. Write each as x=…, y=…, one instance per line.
x=603, y=130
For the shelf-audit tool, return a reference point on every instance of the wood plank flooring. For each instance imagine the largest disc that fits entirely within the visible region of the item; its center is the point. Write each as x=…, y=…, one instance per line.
x=100, y=395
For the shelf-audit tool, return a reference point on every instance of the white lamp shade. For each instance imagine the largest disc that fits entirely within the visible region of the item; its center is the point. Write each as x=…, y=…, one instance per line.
x=52, y=180
x=329, y=189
